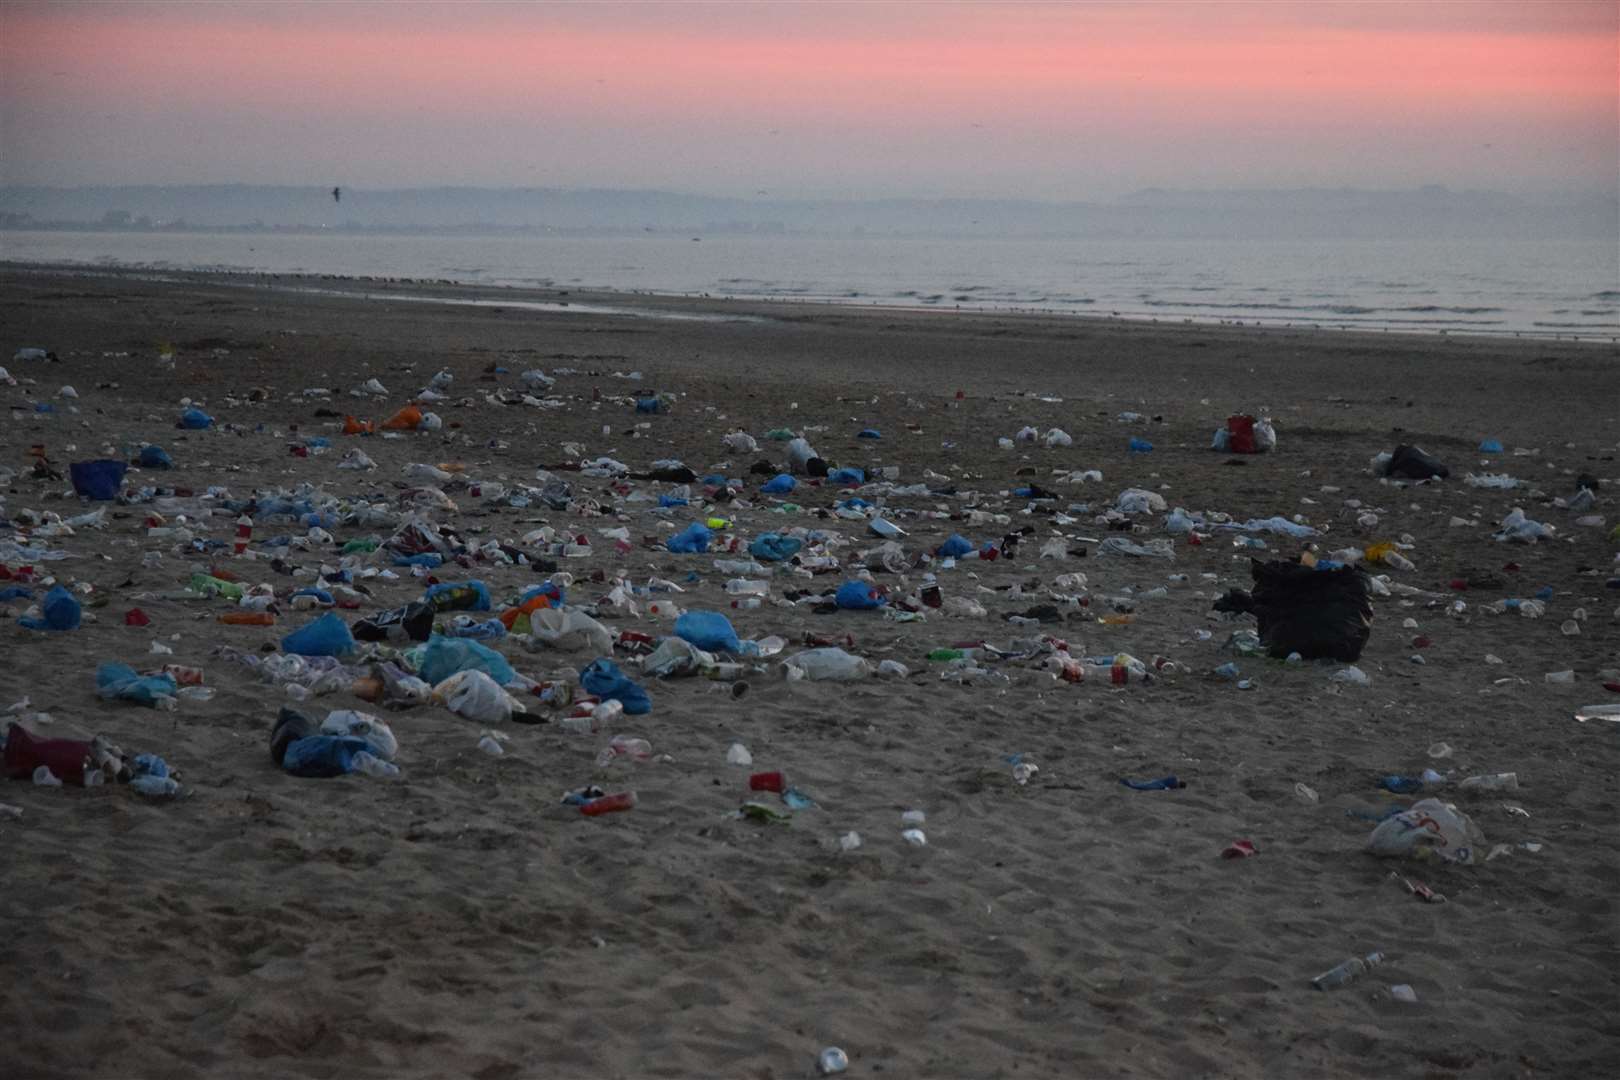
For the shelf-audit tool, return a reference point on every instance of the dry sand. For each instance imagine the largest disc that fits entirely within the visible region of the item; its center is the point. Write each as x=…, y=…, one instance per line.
x=459, y=922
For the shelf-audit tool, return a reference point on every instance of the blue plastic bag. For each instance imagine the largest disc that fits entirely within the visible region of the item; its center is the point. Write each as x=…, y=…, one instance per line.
x=195, y=419
x=155, y=457
x=323, y=597
x=326, y=636
x=774, y=547
x=846, y=475
x=954, y=547
x=858, y=596
x=1490, y=446
x=648, y=405
x=59, y=609
x=870, y=433
x=458, y=596
x=431, y=560
x=99, y=480
x=487, y=630
x=667, y=501
x=708, y=630
x=1139, y=445
x=692, y=540
x=323, y=755
x=780, y=484
x=15, y=592
x=604, y=679
x=546, y=588
x=119, y=682
x=443, y=657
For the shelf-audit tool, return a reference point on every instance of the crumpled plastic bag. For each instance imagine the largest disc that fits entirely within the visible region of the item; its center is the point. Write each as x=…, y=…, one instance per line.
x=954, y=547
x=326, y=636
x=740, y=442
x=780, y=484
x=774, y=547
x=570, y=631
x=1521, y=530
x=443, y=657
x=59, y=611
x=474, y=695
x=119, y=682
x=1430, y=829
x=1056, y=437
x=708, y=630
x=374, y=730
x=603, y=678
x=858, y=596
x=1118, y=545
x=1138, y=501
x=675, y=657
x=99, y=480
x=694, y=539
x=829, y=664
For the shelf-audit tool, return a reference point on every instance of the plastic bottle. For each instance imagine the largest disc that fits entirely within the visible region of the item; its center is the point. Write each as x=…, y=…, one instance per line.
x=1492, y=782
x=1353, y=968
x=608, y=804
x=248, y=618
x=832, y=1060
x=371, y=765
x=747, y=587
x=748, y=602
x=156, y=787
x=624, y=746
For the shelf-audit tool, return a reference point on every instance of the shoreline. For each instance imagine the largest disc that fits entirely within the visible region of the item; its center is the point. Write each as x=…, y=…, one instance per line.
x=244, y=278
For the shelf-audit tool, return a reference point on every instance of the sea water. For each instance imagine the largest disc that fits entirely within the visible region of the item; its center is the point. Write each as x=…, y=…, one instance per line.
x=1493, y=286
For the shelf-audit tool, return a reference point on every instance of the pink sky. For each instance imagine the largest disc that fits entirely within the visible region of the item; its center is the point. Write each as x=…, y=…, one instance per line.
x=1069, y=101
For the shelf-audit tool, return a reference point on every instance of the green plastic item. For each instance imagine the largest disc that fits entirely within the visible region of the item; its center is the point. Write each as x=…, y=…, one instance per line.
x=755, y=811
x=946, y=654
x=357, y=546
x=205, y=583
x=780, y=434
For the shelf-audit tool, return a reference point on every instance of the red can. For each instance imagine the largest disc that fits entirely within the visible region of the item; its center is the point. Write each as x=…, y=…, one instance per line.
x=608, y=804
x=768, y=781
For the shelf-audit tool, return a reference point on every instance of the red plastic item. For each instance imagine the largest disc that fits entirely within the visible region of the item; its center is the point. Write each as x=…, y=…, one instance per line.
x=768, y=781
x=248, y=618
x=26, y=752
x=1421, y=642
x=1239, y=849
x=1459, y=584
x=1119, y=674
x=137, y=617
x=1613, y=687
x=609, y=804
x=1240, y=434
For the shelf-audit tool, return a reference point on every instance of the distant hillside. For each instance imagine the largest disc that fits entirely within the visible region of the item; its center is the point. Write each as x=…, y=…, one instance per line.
x=1431, y=211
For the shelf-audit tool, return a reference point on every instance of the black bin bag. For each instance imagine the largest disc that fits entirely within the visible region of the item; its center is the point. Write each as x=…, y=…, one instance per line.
x=1320, y=614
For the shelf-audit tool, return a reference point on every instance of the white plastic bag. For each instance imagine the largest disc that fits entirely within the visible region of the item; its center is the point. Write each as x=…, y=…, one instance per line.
x=1430, y=828
x=378, y=735
x=1138, y=501
x=570, y=631
x=826, y=664
x=476, y=696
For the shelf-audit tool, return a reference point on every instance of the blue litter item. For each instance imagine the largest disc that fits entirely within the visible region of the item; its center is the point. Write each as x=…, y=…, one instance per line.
x=319, y=594
x=774, y=547
x=155, y=457
x=195, y=420
x=319, y=518
x=692, y=540
x=15, y=592
x=870, y=433
x=1490, y=446
x=150, y=765
x=99, y=480
x=858, y=596
x=319, y=756
x=648, y=405
x=59, y=611
x=487, y=630
x=670, y=500
x=715, y=480
x=1140, y=445
x=780, y=484
x=442, y=657
x=317, y=442
x=854, y=502
x=847, y=475
x=458, y=596
x=1165, y=783
x=430, y=559
x=708, y=630
x=326, y=636
x=547, y=588
x=604, y=679
x=1544, y=593
x=955, y=546
x=119, y=682
x=43, y=407
x=1401, y=785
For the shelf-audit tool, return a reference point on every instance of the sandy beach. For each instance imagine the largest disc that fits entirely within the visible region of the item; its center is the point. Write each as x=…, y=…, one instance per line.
x=461, y=921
